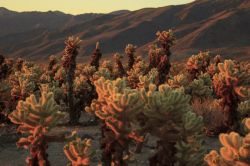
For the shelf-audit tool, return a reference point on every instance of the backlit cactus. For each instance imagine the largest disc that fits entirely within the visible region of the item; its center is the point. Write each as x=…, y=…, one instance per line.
x=160, y=57
x=197, y=64
x=36, y=118
x=235, y=150
x=231, y=84
x=117, y=106
x=78, y=152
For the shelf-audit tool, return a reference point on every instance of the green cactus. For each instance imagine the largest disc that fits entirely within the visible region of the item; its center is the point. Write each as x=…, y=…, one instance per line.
x=235, y=150
x=179, y=130
x=36, y=118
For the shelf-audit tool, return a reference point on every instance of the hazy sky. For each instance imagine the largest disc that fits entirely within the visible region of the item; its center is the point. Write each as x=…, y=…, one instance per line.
x=85, y=6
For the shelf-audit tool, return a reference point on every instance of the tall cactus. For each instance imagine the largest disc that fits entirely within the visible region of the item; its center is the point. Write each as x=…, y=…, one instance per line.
x=160, y=57
x=129, y=51
x=229, y=84
x=69, y=64
x=119, y=69
x=78, y=152
x=36, y=118
x=96, y=56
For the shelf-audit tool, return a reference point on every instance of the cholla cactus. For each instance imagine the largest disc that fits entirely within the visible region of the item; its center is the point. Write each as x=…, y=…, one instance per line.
x=148, y=79
x=138, y=70
x=52, y=62
x=178, y=81
x=117, y=106
x=200, y=87
x=96, y=56
x=160, y=57
x=235, y=150
x=36, y=118
x=26, y=81
x=129, y=51
x=197, y=64
x=118, y=69
x=78, y=152
x=170, y=119
x=166, y=39
x=230, y=84
x=69, y=64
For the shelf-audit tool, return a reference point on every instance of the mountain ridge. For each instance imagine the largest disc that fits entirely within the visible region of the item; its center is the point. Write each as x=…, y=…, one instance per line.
x=216, y=26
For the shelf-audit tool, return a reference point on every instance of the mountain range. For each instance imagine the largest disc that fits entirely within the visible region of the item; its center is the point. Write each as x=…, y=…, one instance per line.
x=219, y=26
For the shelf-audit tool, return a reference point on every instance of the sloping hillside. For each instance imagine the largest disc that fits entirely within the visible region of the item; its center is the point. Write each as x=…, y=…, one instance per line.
x=220, y=26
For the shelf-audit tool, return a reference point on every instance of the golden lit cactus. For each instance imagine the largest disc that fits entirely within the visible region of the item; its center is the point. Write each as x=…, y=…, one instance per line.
x=160, y=57
x=231, y=84
x=178, y=81
x=235, y=150
x=117, y=106
x=197, y=64
x=138, y=70
x=129, y=51
x=148, y=79
x=166, y=39
x=78, y=152
x=178, y=129
x=36, y=118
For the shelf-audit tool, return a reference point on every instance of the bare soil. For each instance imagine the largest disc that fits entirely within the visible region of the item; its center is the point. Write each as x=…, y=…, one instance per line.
x=10, y=155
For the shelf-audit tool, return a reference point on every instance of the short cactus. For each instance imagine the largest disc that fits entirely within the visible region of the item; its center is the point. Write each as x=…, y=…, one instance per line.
x=78, y=152
x=117, y=106
x=235, y=150
x=36, y=118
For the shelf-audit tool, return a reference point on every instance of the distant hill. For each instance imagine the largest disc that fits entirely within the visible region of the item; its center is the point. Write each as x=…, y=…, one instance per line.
x=219, y=26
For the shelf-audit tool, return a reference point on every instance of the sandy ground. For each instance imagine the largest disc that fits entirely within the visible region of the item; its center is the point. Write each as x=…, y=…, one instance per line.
x=11, y=156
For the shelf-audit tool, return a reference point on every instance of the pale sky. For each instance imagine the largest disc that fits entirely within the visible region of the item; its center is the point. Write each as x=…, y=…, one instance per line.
x=85, y=6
